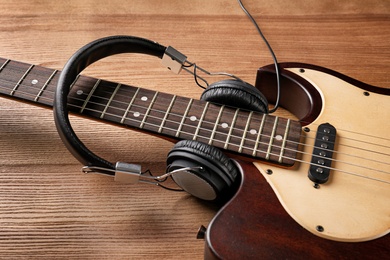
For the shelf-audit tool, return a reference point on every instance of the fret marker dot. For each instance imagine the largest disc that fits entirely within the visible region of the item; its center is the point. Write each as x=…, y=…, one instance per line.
x=224, y=125
x=253, y=131
x=193, y=118
x=279, y=138
x=79, y=92
x=137, y=114
x=144, y=98
x=34, y=81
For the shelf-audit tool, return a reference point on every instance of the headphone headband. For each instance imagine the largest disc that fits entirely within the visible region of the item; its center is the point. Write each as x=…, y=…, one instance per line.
x=85, y=56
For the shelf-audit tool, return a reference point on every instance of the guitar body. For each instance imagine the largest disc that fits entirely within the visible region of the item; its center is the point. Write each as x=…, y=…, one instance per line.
x=285, y=216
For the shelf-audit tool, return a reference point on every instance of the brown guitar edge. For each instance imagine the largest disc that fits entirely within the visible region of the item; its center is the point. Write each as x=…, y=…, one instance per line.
x=241, y=230
x=298, y=96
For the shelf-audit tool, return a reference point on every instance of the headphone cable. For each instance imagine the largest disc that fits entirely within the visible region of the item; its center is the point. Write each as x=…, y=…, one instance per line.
x=271, y=52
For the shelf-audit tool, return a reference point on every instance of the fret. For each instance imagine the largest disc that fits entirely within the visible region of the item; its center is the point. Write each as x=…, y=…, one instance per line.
x=74, y=82
x=4, y=64
x=231, y=129
x=110, y=100
x=271, y=139
x=148, y=110
x=184, y=118
x=89, y=95
x=284, y=141
x=245, y=132
x=45, y=85
x=166, y=114
x=129, y=106
x=222, y=129
x=171, y=123
x=77, y=94
x=216, y=124
x=20, y=80
x=200, y=121
x=261, y=128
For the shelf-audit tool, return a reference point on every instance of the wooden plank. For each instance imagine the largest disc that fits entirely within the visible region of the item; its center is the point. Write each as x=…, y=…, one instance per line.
x=49, y=209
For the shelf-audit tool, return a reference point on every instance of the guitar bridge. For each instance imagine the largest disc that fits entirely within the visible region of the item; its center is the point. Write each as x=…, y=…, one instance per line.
x=321, y=162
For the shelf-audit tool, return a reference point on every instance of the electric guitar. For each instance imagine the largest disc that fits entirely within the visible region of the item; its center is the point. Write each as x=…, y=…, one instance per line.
x=317, y=187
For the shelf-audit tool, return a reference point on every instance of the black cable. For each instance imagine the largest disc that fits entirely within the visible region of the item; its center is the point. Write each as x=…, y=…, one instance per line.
x=158, y=183
x=196, y=78
x=270, y=50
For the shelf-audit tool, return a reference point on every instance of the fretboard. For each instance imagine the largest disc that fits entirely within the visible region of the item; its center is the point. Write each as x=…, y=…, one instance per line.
x=238, y=131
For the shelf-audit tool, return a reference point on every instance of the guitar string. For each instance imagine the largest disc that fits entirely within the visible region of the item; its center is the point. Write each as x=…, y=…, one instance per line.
x=282, y=124
x=85, y=77
x=335, y=169
x=357, y=140
x=366, y=135
x=240, y=130
x=137, y=121
x=294, y=159
x=228, y=112
x=258, y=121
x=251, y=139
x=30, y=73
x=224, y=133
x=191, y=126
x=231, y=113
x=299, y=160
x=241, y=136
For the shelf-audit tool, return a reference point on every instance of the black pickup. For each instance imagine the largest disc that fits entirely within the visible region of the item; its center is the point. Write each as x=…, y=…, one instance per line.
x=321, y=161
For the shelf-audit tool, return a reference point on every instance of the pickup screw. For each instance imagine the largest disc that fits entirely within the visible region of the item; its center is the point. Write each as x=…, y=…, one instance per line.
x=269, y=171
x=320, y=228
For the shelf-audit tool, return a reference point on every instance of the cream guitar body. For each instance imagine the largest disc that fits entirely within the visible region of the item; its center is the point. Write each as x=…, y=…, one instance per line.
x=346, y=216
x=354, y=204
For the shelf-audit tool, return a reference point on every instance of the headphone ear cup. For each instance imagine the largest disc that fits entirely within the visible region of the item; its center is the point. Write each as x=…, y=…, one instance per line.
x=217, y=174
x=237, y=94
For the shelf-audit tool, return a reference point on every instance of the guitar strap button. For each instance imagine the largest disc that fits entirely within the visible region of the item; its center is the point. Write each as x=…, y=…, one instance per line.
x=201, y=232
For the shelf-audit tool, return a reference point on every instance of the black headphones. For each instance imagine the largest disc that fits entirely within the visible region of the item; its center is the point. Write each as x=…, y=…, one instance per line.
x=200, y=169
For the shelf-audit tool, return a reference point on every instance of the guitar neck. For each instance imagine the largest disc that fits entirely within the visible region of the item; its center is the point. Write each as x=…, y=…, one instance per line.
x=246, y=133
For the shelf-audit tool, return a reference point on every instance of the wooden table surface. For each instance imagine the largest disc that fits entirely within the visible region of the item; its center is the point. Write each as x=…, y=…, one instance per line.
x=49, y=209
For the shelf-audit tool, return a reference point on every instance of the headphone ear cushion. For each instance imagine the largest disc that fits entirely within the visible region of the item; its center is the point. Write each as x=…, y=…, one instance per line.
x=237, y=94
x=218, y=171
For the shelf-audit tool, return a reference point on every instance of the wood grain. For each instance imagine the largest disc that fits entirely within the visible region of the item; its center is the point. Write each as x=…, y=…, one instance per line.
x=48, y=209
